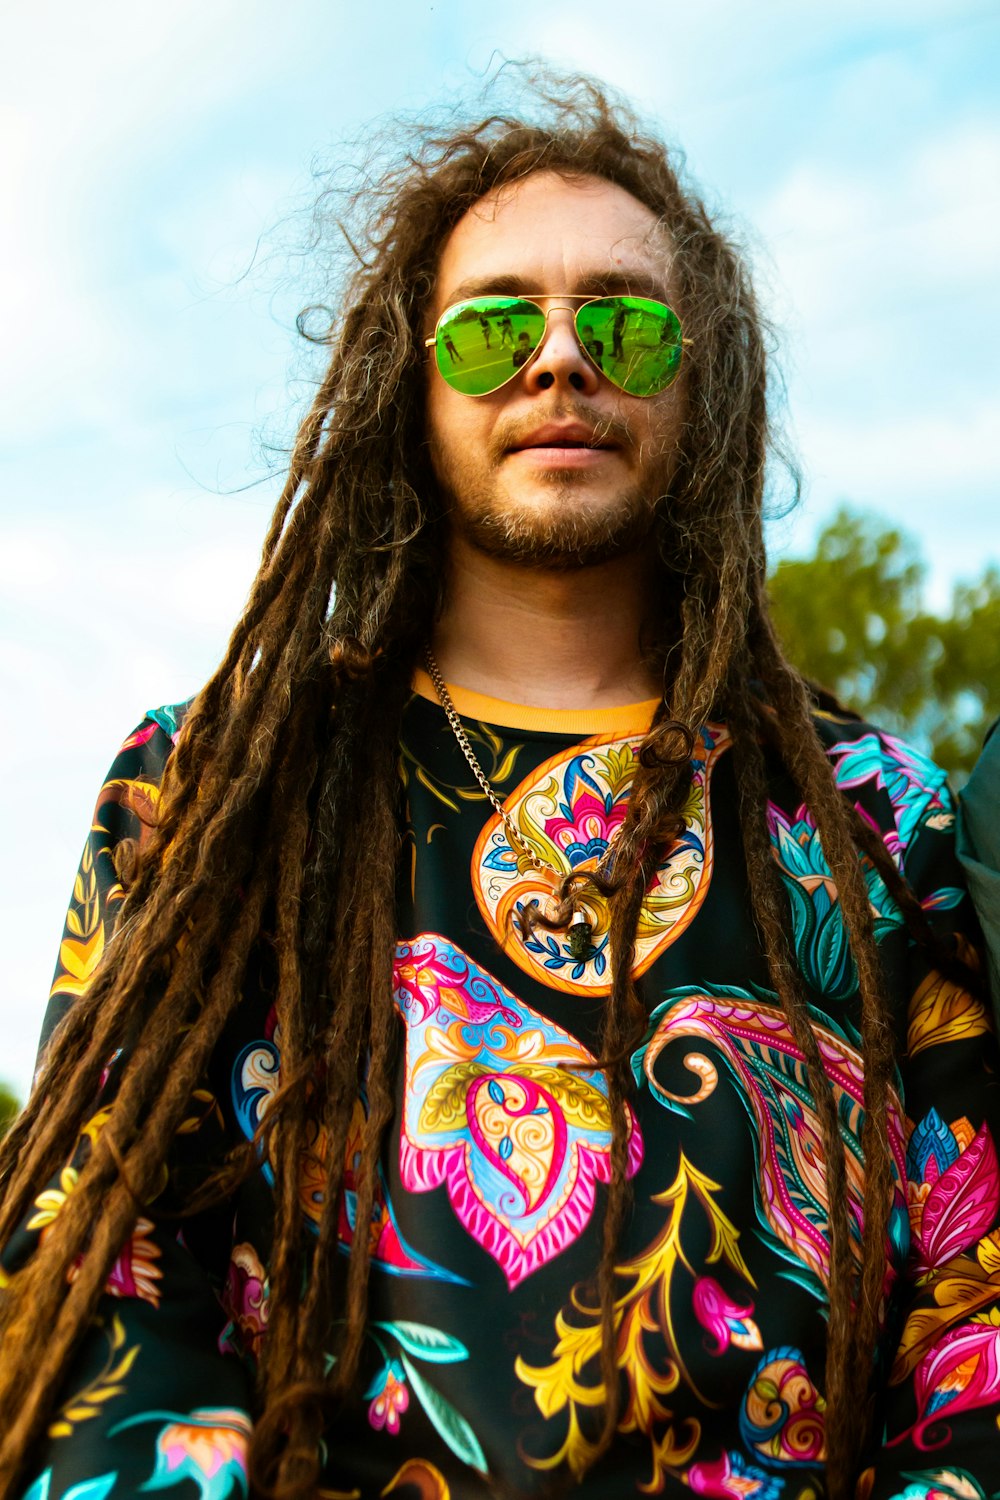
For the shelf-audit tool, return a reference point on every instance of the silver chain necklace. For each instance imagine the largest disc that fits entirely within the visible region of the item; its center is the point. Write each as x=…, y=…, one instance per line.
x=580, y=930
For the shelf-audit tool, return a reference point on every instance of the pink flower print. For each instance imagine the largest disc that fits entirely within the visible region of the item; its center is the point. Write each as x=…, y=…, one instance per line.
x=960, y=1373
x=391, y=1397
x=957, y=1206
x=208, y=1447
x=135, y=1272
x=587, y=825
x=725, y=1320
x=213, y=1456
x=731, y=1477
x=424, y=981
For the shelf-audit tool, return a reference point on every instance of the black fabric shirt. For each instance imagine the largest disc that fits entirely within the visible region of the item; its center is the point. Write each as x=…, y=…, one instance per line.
x=481, y=1360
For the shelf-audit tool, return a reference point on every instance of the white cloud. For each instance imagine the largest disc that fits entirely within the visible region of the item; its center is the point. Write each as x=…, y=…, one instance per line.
x=928, y=460
x=930, y=229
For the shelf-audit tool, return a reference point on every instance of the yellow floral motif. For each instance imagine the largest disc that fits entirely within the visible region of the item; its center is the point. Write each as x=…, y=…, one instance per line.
x=82, y=948
x=83, y=944
x=572, y=1382
x=49, y=1203
x=497, y=766
x=581, y=1103
x=988, y=1253
x=87, y=1403
x=942, y=1011
x=205, y=1104
x=94, y=1126
x=958, y=1297
x=84, y=917
x=417, y=1474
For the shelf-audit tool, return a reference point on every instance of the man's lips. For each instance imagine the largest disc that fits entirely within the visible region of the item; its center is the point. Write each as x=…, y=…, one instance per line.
x=561, y=437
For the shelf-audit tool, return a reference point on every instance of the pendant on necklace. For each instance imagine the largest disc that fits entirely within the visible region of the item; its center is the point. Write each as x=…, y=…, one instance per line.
x=578, y=937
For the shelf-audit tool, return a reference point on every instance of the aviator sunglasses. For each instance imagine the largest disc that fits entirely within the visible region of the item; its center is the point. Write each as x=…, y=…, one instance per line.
x=481, y=344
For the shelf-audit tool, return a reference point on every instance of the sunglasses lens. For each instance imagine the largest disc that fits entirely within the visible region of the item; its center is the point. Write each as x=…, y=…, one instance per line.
x=634, y=341
x=481, y=344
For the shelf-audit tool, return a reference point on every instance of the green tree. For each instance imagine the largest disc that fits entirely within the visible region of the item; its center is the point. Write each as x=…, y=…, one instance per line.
x=852, y=617
x=10, y=1106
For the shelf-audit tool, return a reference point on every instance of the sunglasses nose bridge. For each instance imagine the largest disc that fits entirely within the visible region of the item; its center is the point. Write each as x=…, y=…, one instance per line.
x=550, y=305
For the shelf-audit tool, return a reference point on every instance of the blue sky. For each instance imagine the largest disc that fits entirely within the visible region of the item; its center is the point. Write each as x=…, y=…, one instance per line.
x=156, y=177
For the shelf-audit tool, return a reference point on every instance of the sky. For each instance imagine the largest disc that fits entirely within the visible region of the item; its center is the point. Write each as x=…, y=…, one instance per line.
x=157, y=170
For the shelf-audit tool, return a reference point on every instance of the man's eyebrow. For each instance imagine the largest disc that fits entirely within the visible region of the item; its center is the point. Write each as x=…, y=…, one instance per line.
x=637, y=283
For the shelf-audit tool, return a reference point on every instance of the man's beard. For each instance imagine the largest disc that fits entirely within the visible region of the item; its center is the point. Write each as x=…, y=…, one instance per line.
x=565, y=538
x=565, y=535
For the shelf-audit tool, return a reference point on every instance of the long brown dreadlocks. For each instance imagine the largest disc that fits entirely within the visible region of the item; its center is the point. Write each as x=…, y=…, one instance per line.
x=257, y=839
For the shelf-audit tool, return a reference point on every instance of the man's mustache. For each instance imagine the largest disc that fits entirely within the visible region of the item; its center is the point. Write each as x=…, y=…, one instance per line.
x=607, y=429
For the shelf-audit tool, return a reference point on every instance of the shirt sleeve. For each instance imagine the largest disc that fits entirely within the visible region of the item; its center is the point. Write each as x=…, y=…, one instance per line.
x=940, y=1401
x=155, y=1393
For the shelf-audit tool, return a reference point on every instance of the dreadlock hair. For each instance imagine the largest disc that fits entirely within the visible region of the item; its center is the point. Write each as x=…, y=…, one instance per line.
x=257, y=836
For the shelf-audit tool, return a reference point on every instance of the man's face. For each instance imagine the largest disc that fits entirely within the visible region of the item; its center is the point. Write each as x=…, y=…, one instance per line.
x=558, y=467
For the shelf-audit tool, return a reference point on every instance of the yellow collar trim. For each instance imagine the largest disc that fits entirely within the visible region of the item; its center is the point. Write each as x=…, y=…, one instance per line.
x=630, y=718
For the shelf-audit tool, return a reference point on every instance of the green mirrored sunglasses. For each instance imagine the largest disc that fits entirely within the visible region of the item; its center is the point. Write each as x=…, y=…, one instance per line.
x=635, y=342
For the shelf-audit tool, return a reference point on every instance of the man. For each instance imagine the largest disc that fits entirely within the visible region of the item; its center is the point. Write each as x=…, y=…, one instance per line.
x=594, y=347
x=523, y=352
x=552, y=954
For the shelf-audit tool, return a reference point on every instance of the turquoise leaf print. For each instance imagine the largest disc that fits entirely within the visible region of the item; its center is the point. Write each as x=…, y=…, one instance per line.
x=821, y=942
x=449, y=1423
x=426, y=1343
x=92, y=1489
x=917, y=788
x=89, y=1489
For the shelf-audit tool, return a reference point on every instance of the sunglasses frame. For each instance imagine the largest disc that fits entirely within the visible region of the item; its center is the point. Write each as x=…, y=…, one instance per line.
x=585, y=299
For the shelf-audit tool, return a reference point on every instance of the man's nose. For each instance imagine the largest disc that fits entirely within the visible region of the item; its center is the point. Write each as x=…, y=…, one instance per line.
x=560, y=360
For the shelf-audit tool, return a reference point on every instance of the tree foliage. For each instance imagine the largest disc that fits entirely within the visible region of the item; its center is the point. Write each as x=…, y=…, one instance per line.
x=853, y=618
x=10, y=1106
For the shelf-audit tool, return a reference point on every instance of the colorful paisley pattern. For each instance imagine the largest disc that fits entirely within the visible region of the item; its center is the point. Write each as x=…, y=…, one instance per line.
x=501, y=1105
x=754, y=1041
x=781, y=1417
x=484, y=1355
x=256, y=1078
x=567, y=812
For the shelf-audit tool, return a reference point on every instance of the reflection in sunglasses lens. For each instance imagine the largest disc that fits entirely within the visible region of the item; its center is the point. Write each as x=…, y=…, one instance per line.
x=634, y=341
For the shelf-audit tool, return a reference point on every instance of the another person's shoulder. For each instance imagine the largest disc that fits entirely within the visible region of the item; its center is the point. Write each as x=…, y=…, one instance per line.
x=981, y=798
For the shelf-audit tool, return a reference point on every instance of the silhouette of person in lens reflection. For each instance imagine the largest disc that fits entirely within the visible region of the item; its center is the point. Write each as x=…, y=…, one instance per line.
x=525, y=349
x=617, y=333
x=594, y=347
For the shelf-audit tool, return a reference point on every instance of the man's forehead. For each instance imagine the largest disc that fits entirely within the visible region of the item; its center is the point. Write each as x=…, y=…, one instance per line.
x=546, y=230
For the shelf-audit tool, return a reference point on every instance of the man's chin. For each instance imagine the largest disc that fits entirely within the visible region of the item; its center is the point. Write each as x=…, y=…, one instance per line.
x=557, y=538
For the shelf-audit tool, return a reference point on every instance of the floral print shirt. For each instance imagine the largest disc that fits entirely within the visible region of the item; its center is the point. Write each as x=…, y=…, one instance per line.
x=481, y=1371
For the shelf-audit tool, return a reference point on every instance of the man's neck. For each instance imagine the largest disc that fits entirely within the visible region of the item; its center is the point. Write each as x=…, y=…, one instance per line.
x=566, y=639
